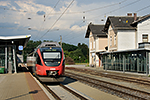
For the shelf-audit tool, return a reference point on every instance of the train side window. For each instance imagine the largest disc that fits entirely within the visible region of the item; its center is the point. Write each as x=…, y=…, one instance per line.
x=38, y=59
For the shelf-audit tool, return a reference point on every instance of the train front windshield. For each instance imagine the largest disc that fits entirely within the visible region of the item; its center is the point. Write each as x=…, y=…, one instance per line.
x=52, y=56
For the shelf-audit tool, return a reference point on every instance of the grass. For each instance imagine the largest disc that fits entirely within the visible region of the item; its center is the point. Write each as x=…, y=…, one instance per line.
x=86, y=64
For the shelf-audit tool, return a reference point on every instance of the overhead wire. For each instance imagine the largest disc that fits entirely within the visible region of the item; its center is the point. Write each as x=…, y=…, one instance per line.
x=142, y=9
x=57, y=19
x=47, y=17
x=113, y=11
x=116, y=9
x=74, y=37
x=84, y=11
x=105, y=6
x=105, y=13
x=52, y=9
x=72, y=30
x=94, y=10
x=98, y=9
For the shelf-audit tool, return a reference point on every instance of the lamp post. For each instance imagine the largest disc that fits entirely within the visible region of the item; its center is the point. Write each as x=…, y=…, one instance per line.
x=79, y=58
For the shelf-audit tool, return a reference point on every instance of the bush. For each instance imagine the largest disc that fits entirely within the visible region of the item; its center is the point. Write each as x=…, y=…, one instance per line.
x=69, y=61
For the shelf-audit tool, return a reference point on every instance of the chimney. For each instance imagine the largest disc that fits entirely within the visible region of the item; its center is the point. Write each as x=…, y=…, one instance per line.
x=129, y=14
x=135, y=16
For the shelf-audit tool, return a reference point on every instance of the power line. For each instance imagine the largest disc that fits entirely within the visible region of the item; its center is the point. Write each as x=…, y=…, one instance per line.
x=72, y=30
x=52, y=9
x=46, y=18
x=117, y=9
x=58, y=18
x=105, y=6
x=84, y=11
x=122, y=7
x=68, y=12
x=143, y=8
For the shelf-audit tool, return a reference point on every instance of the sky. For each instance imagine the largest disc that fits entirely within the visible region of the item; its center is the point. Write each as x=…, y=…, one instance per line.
x=50, y=19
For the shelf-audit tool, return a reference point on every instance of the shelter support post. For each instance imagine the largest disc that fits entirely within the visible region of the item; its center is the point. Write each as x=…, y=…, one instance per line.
x=14, y=59
x=10, y=61
x=124, y=63
x=147, y=64
x=6, y=59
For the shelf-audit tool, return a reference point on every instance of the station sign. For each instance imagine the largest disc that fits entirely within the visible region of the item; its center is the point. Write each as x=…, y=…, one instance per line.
x=20, y=47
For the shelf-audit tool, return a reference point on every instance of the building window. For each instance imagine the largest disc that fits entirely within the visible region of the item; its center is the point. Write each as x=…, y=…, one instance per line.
x=93, y=44
x=114, y=40
x=145, y=37
x=110, y=40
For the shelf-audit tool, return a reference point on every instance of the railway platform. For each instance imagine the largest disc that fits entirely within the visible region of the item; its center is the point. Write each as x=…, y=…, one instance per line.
x=20, y=86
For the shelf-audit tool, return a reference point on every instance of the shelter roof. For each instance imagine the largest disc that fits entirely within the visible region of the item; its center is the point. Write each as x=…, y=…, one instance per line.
x=15, y=40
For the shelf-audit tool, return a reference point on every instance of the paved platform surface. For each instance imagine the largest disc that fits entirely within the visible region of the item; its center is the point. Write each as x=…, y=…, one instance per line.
x=88, y=91
x=20, y=86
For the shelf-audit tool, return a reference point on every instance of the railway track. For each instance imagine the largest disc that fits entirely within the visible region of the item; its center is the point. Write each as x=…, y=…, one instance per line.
x=58, y=97
x=108, y=75
x=119, y=90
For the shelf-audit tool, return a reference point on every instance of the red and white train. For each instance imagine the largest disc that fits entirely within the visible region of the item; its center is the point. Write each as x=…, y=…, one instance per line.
x=49, y=62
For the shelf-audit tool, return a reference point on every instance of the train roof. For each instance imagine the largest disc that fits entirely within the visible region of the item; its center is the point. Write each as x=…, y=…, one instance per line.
x=49, y=44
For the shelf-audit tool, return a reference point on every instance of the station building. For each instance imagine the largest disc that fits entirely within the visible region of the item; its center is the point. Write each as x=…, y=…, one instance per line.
x=97, y=43
x=128, y=44
x=9, y=45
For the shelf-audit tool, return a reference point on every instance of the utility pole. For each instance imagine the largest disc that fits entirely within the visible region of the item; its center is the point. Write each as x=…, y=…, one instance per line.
x=61, y=40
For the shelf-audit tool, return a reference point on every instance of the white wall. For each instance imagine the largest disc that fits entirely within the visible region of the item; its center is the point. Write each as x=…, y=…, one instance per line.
x=97, y=61
x=97, y=44
x=126, y=39
x=143, y=28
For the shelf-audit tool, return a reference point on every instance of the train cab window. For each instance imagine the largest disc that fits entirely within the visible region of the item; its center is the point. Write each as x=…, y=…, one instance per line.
x=38, y=59
x=52, y=58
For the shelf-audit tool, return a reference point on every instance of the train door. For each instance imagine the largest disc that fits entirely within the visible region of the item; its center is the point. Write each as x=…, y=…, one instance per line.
x=38, y=67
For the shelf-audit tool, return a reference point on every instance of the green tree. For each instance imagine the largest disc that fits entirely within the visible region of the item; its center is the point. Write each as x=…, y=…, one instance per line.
x=77, y=55
x=68, y=47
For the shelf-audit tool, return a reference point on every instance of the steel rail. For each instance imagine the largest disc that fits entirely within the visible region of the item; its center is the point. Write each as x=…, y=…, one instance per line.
x=52, y=93
x=96, y=83
x=74, y=93
x=118, y=77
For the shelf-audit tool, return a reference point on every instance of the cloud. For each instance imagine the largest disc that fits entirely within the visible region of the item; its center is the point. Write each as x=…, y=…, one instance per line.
x=70, y=24
x=78, y=28
x=8, y=25
x=41, y=13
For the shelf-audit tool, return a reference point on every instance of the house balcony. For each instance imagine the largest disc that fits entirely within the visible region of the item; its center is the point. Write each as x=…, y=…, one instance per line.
x=144, y=45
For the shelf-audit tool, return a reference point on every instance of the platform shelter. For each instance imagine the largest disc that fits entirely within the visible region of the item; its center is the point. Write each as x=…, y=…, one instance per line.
x=136, y=60
x=9, y=45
